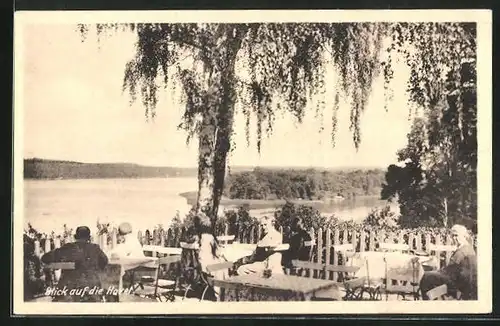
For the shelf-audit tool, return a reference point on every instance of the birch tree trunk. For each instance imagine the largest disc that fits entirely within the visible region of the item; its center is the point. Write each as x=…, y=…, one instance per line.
x=217, y=125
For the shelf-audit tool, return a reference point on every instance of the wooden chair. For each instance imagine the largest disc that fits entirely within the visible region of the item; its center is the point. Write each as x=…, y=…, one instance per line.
x=402, y=285
x=162, y=289
x=351, y=285
x=439, y=293
x=56, y=268
x=190, y=266
x=371, y=286
x=208, y=278
x=151, y=273
x=346, y=251
x=441, y=248
x=225, y=239
x=394, y=247
x=311, y=245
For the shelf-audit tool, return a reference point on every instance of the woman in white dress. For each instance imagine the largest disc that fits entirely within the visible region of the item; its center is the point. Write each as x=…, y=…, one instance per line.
x=209, y=251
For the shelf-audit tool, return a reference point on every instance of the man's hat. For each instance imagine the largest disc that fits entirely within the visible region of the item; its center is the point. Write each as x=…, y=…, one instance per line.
x=82, y=233
x=125, y=228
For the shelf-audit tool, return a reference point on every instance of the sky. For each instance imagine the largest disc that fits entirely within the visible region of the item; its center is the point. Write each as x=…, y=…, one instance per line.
x=74, y=109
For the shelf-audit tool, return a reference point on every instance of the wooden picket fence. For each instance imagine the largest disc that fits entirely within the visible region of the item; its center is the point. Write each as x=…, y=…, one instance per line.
x=324, y=250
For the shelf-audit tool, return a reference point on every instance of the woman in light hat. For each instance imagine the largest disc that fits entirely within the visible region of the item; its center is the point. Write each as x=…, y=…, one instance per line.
x=129, y=245
x=460, y=273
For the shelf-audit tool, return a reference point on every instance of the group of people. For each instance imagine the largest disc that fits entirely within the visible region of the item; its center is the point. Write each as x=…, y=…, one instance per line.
x=460, y=274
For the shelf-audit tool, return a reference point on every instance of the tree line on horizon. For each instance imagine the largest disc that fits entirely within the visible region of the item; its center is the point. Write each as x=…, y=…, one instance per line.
x=306, y=184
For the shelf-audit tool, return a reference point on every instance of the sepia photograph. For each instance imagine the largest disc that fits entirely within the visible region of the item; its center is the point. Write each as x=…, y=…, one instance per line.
x=232, y=162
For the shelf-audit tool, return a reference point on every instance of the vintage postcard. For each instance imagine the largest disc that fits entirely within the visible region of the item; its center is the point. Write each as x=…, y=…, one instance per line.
x=244, y=162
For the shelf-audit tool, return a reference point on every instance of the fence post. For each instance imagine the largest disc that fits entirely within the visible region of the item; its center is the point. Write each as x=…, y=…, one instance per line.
x=427, y=243
x=345, y=240
x=139, y=237
x=362, y=241
x=57, y=272
x=335, y=253
x=419, y=241
x=252, y=234
x=155, y=241
x=328, y=248
x=104, y=240
x=448, y=253
x=162, y=237
x=411, y=241
x=438, y=253
x=371, y=245
x=355, y=239
x=319, y=255
x=401, y=237
x=38, y=250
x=170, y=238
x=48, y=245
x=114, y=238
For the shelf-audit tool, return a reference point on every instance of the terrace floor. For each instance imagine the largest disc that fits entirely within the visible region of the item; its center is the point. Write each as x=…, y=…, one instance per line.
x=179, y=298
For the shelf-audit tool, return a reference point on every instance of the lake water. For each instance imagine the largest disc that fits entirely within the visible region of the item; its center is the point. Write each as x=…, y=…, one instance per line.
x=145, y=203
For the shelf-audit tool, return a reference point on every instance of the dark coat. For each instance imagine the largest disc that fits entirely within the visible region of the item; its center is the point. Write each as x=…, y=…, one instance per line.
x=298, y=250
x=460, y=274
x=89, y=259
x=462, y=271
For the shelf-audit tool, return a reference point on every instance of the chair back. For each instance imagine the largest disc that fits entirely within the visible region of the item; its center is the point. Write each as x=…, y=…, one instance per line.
x=219, y=266
x=190, y=246
x=167, y=260
x=311, y=244
x=405, y=283
x=304, y=266
x=61, y=265
x=388, y=247
x=281, y=247
x=343, y=248
x=162, y=250
x=225, y=239
x=438, y=293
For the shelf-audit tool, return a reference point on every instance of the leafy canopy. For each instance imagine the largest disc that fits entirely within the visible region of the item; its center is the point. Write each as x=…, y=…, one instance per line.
x=281, y=67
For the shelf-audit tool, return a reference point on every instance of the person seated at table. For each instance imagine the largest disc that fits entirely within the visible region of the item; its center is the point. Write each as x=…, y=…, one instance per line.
x=300, y=243
x=461, y=272
x=209, y=251
x=264, y=257
x=89, y=259
x=128, y=244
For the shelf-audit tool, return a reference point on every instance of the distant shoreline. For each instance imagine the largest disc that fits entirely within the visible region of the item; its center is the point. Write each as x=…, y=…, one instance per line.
x=190, y=197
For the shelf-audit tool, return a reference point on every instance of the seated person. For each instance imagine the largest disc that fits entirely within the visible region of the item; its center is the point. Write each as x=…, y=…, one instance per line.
x=461, y=272
x=209, y=252
x=264, y=257
x=300, y=245
x=128, y=244
x=88, y=258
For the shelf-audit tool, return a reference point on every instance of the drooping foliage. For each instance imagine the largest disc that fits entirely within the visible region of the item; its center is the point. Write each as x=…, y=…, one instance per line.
x=264, y=68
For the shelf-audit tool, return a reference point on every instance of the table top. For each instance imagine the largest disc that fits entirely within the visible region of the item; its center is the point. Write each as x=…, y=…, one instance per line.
x=280, y=282
x=131, y=260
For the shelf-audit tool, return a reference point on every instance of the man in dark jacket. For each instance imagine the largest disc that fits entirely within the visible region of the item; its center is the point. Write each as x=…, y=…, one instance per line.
x=461, y=272
x=300, y=243
x=89, y=259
